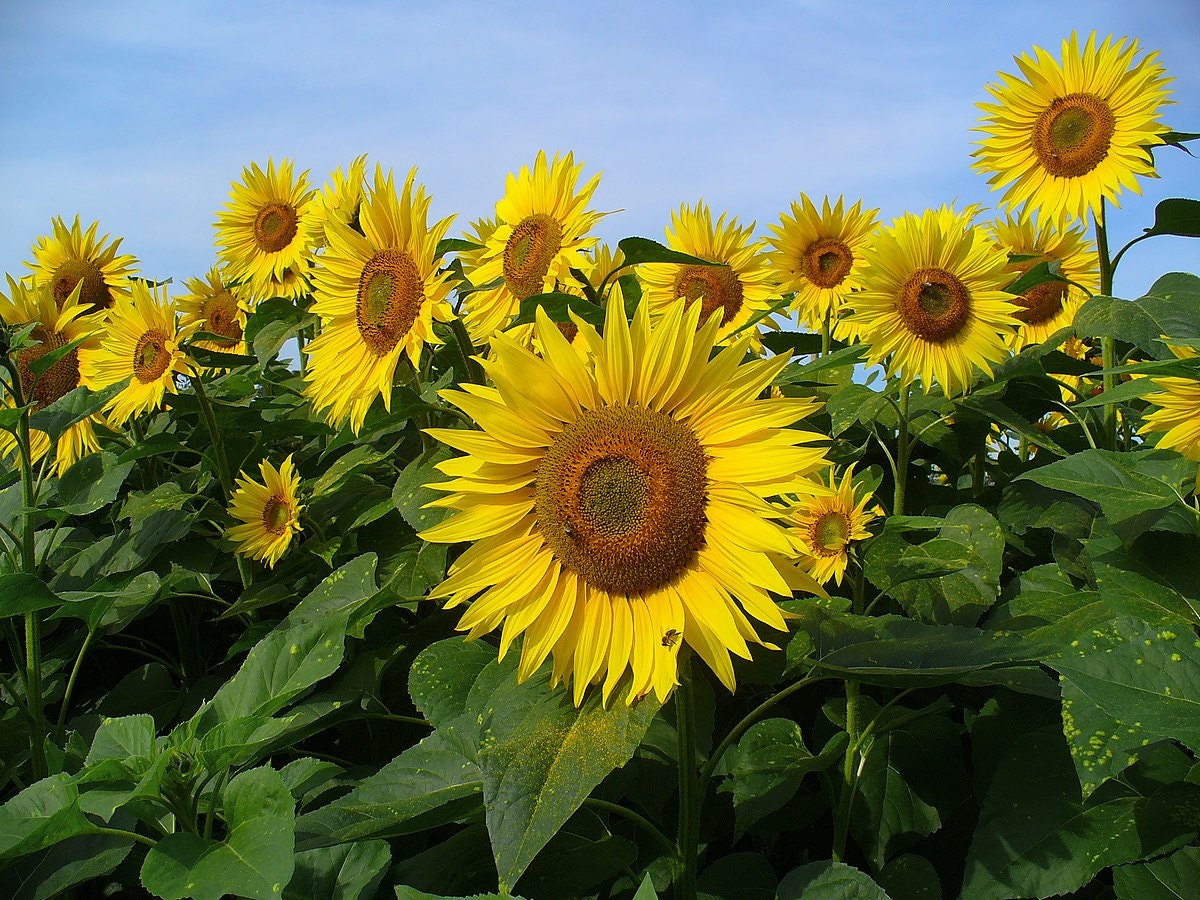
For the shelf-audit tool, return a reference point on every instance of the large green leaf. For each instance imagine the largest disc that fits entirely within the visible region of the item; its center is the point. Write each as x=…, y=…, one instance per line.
x=91, y=483
x=43, y=814
x=1173, y=877
x=1171, y=307
x=829, y=881
x=73, y=407
x=1178, y=216
x=441, y=677
x=638, y=250
x=342, y=872
x=410, y=494
x=21, y=593
x=53, y=872
x=339, y=595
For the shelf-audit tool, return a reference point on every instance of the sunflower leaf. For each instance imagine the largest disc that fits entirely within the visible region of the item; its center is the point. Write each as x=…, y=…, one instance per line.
x=1178, y=216
x=72, y=407
x=640, y=250
x=38, y=367
x=556, y=305
x=1039, y=274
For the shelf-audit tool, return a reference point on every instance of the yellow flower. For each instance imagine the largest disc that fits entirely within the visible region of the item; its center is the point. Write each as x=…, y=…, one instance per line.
x=932, y=303
x=822, y=528
x=76, y=258
x=268, y=510
x=1178, y=413
x=1067, y=135
x=618, y=510
x=378, y=294
x=338, y=201
x=215, y=307
x=140, y=342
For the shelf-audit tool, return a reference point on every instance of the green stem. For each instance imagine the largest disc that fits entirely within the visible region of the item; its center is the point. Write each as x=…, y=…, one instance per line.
x=120, y=832
x=689, y=801
x=636, y=818
x=825, y=335
x=223, y=471
x=1107, y=344
x=66, y=700
x=902, y=451
x=466, y=349
x=850, y=770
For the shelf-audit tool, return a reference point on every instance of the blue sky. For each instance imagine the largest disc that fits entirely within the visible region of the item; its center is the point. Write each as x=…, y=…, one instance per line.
x=141, y=114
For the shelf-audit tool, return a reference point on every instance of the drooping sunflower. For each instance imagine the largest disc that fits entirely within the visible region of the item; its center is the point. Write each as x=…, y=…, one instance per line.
x=822, y=527
x=378, y=294
x=140, y=342
x=217, y=308
x=818, y=255
x=59, y=324
x=263, y=232
x=740, y=288
x=1051, y=305
x=619, y=509
x=541, y=232
x=1067, y=134
x=75, y=258
x=269, y=511
x=933, y=305
x=338, y=201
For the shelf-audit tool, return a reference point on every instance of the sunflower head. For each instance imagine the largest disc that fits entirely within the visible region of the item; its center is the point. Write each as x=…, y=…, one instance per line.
x=1177, y=415
x=268, y=512
x=72, y=258
x=1068, y=133
x=218, y=308
x=823, y=527
x=339, y=201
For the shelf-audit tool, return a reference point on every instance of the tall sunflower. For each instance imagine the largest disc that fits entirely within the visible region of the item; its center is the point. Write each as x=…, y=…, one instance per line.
x=378, y=294
x=263, y=232
x=541, y=232
x=1050, y=305
x=140, y=342
x=59, y=324
x=822, y=527
x=1067, y=134
x=217, y=308
x=338, y=201
x=620, y=509
x=738, y=289
x=933, y=305
x=818, y=255
x=268, y=510
x=75, y=258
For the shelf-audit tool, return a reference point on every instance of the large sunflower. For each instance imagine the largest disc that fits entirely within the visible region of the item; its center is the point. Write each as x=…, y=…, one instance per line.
x=263, y=232
x=1050, y=305
x=1069, y=134
x=620, y=509
x=59, y=324
x=339, y=201
x=217, y=308
x=76, y=258
x=140, y=342
x=738, y=289
x=378, y=294
x=822, y=527
x=268, y=510
x=818, y=255
x=541, y=232
x=932, y=303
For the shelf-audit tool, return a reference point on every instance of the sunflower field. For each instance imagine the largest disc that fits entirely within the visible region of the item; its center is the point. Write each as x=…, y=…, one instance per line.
x=852, y=559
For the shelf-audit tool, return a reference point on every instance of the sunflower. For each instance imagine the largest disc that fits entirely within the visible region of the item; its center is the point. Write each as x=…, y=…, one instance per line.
x=59, y=324
x=378, y=294
x=822, y=527
x=541, y=231
x=140, y=342
x=818, y=255
x=1178, y=413
x=1068, y=135
x=217, y=308
x=73, y=257
x=739, y=289
x=933, y=302
x=619, y=509
x=1050, y=305
x=338, y=201
x=268, y=510
x=263, y=232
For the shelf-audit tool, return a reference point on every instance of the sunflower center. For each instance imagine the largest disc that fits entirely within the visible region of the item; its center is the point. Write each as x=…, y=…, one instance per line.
x=934, y=304
x=621, y=498
x=390, y=294
x=74, y=271
x=277, y=514
x=1042, y=302
x=826, y=262
x=150, y=356
x=829, y=533
x=530, y=250
x=1071, y=136
x=56, y=381
x=220, y=317
x=275, y=226
x=716, y=287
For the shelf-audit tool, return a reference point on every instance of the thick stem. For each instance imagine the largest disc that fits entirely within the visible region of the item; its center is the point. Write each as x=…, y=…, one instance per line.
x=1107, y=344
x=689, y=801
x=825, y=335
x=466, y=350
x=902, y=451
x=66, y=700
x=850, y=766
x=223, y=472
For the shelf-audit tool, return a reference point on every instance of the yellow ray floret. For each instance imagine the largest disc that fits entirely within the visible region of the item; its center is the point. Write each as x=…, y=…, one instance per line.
x=268, y=510
x=73, y=258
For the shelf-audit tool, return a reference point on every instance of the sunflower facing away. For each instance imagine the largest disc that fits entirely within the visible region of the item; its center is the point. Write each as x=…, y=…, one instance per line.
x=268, y=510
x=1068, y=134
x=59, y=324
x=819, y=255
x=932, y=304
x=140, y=342
x=338, y=201
x=263, y=232
x=215, y=307
x=378, y=294
x=619, y=509
x=822, y=527
x=541, y=233
x=740, y=288
x=73, y=257
x=1051, y=305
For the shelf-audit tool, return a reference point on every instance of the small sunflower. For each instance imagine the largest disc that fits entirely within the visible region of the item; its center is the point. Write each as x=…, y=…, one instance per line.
x=818, y=255
x=268, y=510
x=740, y=288
x=618, y=509
x=1050, y=305
x=76, y=258
x=378, y=294
x=140, y=342
x=1068, y=135
x=822, y=527
x=540, y=234
x=339, y=201
x=933, y=304
x=217, y=308
x=263, y=232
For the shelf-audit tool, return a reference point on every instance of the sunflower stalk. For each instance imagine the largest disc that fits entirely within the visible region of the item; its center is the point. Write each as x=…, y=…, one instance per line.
x=903, y=448
x=223, y=472
x=1107, y=344
x=688, y=839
